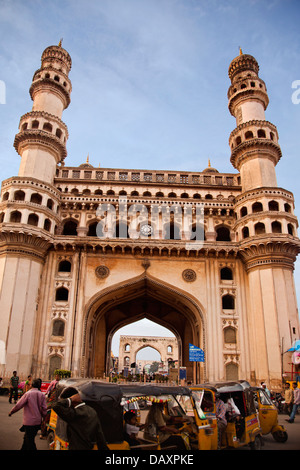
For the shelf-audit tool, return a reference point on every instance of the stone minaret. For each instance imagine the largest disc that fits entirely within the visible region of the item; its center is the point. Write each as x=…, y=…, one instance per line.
x=266, y=226
x=30, y=208
x=42, y=136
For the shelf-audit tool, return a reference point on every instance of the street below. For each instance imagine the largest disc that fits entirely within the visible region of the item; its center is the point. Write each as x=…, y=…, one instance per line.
x=11, y=438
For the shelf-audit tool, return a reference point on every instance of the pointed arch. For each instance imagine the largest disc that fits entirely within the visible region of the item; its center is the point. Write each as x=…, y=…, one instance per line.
x=182, y=314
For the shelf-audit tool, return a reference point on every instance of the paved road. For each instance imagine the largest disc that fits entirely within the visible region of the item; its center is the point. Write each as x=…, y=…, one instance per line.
x=11, y=438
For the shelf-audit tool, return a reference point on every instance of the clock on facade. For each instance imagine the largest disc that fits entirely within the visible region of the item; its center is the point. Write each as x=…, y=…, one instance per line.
x=146, y=230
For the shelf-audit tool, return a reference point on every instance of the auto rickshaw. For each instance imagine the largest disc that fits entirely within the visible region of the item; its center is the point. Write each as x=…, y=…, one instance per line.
x=268, y=415
x=243, y=428
x=112, y=400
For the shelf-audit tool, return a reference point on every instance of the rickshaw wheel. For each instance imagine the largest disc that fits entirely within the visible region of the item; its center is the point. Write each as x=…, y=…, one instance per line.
x=280, y=436
x=256, y=444
x=50, y=438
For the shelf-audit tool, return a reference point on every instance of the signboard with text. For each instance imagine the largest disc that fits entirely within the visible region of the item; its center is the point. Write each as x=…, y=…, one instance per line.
x=196, y=354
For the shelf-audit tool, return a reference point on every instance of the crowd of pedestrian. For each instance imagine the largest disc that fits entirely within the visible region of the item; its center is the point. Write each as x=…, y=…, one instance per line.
x=83, y=425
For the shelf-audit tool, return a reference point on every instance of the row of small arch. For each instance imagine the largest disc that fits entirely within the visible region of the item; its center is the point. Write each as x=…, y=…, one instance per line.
x=32, y=219
x=47, y=126
x=258, y=207
x=110, y=192
x=172, y=231
x=56, y=78
x=260, y=228
x=35, y=198
x=261, y=134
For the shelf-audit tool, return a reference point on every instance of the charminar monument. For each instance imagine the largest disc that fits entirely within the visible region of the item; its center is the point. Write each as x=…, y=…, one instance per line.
x=85, y=251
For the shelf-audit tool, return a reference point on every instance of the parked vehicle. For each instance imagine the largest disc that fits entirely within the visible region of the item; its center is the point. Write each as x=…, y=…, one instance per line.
x=243, y=428
x=112, y=400
x=268, y=416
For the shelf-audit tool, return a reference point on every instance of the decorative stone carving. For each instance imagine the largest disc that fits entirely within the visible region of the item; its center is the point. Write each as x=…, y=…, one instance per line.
x=102, y=272
x=189, y=275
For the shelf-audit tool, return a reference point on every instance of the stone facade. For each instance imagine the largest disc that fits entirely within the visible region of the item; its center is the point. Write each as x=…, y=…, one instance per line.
x=85, y=250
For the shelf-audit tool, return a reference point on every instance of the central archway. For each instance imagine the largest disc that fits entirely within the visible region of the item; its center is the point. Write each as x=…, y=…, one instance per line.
x=132, y=300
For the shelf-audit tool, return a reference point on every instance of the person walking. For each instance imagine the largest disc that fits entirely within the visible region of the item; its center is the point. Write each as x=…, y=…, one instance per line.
x=34, y=407
x=51, y=397
x=296, y=392
x=14, y=382
x=28, y=384
x=288, y=399
x=83, y=426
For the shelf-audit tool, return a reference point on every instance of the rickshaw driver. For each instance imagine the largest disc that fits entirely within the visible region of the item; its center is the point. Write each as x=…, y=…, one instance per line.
x=159, y=422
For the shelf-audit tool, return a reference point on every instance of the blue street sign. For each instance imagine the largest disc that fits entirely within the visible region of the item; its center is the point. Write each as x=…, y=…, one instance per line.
x=182, y=373
x=195, y=354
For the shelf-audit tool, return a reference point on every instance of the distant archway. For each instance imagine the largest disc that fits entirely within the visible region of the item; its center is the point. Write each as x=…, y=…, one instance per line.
x=131, y=345
x=134, y=299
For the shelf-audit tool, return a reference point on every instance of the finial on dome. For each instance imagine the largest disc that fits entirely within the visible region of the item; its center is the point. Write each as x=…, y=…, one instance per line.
x=209, y=165
x=88, y=158
x=240, y=49
x=60, y=42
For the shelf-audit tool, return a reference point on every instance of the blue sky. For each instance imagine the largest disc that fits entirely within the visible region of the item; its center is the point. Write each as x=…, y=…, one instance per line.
x=150, y=78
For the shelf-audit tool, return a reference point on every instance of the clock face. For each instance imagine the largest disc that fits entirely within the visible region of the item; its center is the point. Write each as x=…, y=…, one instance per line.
x=146, y=230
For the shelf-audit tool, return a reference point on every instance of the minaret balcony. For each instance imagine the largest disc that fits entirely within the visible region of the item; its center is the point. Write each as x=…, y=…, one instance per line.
x=254, y=129
x=60, y=86
x=46, y=122
x=246, y=92
x=251, y=138
x=44, y=138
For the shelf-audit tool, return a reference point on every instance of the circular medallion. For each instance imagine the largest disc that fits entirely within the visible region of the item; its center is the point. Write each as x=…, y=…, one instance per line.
x=189, y=275
x=146, y=230
x=102, y=272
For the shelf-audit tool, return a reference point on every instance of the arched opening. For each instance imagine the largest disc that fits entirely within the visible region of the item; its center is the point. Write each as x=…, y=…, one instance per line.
x=232, y=371
x=92, y=230
x=141, y=298
x=259, y=228
x=47, y=225
x=33, y=219
x=249, y=135
x=54, y=363
x=276, y=227
x=172, y=232
x=36, y=198
x=244, y=211
x=58, y=328
x=226, y=274
x=257, y=207
x=144, y=343
x=223, y=234
x=15, y=216
x=70, y=228
x=230, y=335
x=19, y=195
x=245, y=232
x=273, y=206
x=122, y=230
x=228, y=302
x=64, y=266
x=290, y=229
x=261, y=133
x=62, y=294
